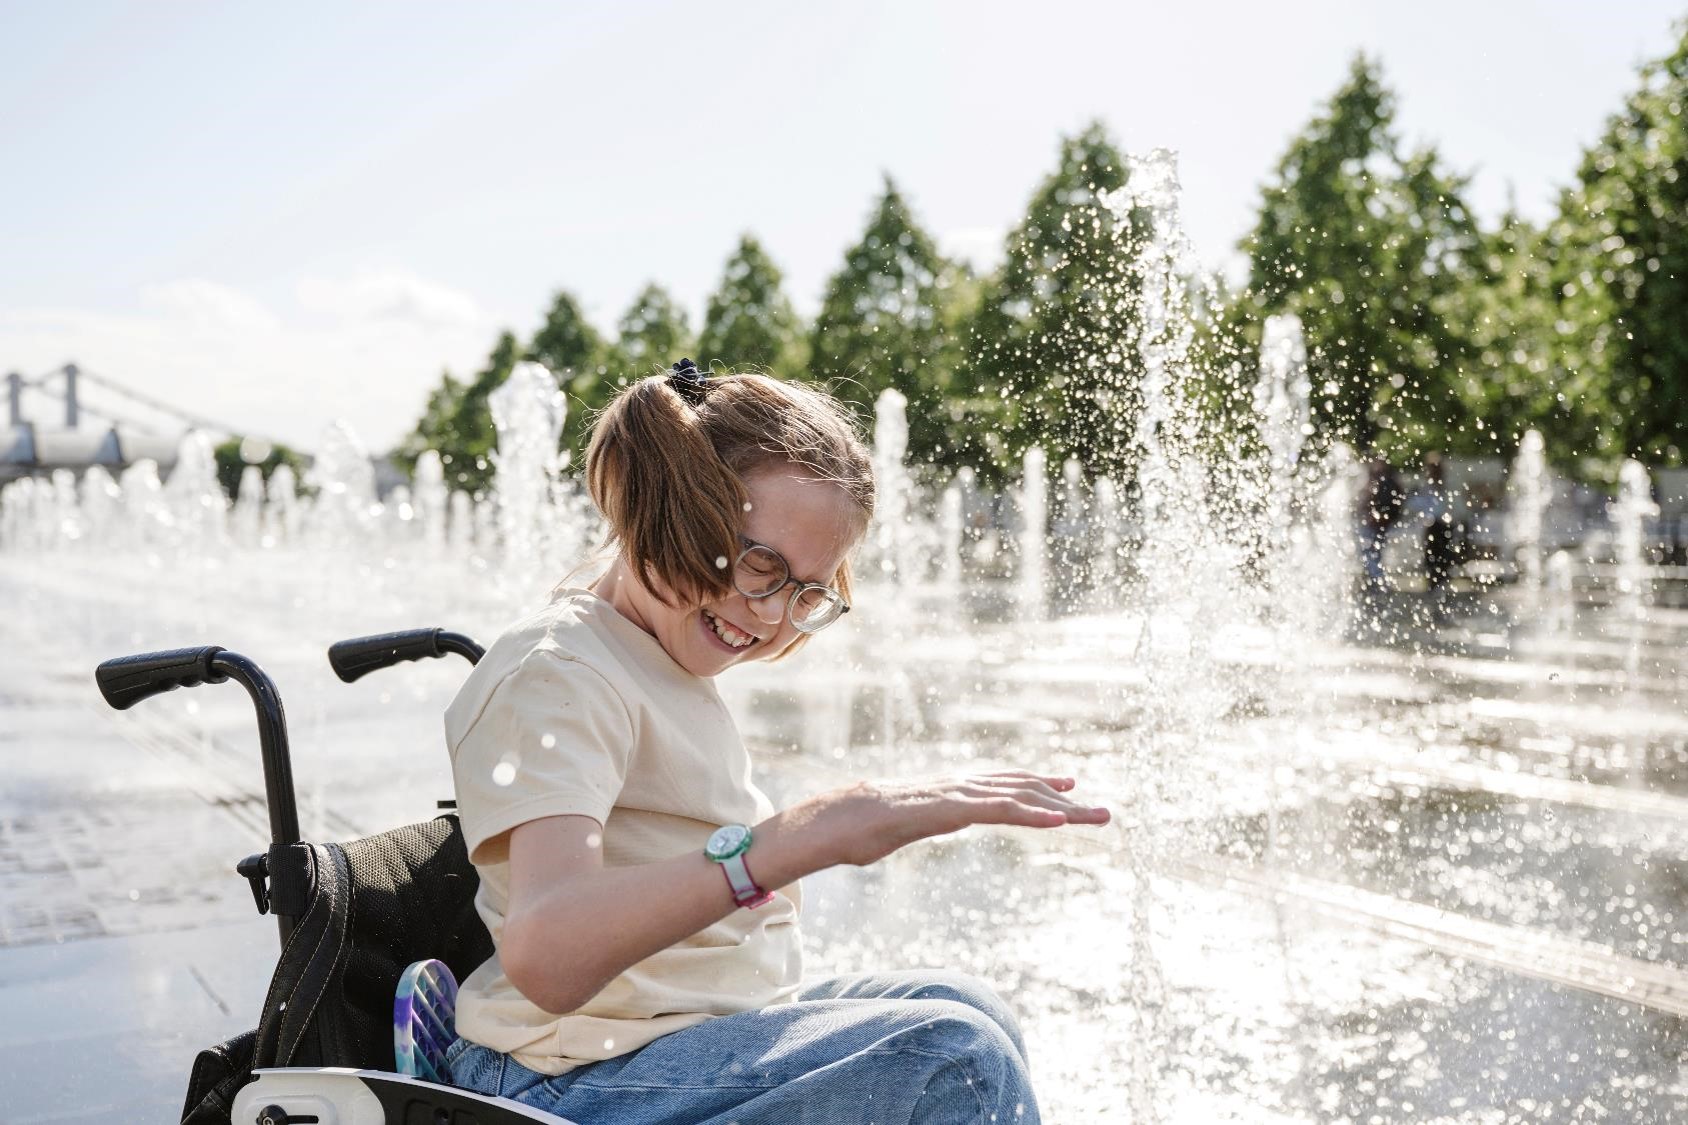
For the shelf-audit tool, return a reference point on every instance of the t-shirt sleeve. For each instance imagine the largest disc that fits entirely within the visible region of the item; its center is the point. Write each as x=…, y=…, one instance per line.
x=553, y=739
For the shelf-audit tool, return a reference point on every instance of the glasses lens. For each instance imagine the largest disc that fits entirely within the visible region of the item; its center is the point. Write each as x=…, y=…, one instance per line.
x=760, y=572
x=814, y=608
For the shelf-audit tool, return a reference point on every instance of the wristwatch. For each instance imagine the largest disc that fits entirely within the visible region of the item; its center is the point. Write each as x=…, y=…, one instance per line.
x=727, y=846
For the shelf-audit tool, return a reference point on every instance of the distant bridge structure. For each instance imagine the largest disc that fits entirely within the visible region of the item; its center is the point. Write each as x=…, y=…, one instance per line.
x=30, y=448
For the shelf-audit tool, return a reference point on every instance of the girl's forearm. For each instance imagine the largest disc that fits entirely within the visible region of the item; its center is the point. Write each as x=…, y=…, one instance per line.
x=588, y=929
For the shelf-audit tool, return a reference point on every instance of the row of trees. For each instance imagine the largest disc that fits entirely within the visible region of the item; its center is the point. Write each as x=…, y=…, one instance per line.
x=1425, y=328
x=1429, y=331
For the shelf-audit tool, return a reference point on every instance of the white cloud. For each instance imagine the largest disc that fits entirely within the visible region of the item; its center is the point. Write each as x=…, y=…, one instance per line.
x=389, y=296
x=208, y=305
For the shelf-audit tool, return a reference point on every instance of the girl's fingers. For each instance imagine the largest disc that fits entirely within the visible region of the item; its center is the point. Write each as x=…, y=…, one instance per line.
x=1006, y=810
x=1027, y=806
x=1013, y=784
x=997, y=786
x=1025, y=777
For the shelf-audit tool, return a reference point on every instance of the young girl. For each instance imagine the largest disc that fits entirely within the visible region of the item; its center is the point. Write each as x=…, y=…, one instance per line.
x=641, y=891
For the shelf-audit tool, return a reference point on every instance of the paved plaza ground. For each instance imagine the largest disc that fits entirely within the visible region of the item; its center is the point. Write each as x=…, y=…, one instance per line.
x=128, y=944
x=122, y=952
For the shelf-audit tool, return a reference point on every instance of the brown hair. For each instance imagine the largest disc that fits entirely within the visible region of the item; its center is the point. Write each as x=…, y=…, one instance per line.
x=667, y=470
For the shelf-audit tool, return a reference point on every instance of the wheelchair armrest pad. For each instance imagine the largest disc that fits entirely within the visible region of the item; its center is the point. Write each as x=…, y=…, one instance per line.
x=341, y=1096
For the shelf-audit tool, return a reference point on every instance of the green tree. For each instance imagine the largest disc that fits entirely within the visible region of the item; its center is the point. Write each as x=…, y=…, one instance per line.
x=1371, y=248
x=1225, y=352
x=1509, y=318
x=749, y=321
x=882, y=325
x=1621, y=276
x=653, y=333
x=1050, y=359
x=962, y=296
x=468, y=437
x=231, y=462
x=432, y=428
x=577, y=356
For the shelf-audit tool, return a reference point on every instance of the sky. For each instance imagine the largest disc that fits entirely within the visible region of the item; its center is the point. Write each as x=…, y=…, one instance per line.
x=276, y=217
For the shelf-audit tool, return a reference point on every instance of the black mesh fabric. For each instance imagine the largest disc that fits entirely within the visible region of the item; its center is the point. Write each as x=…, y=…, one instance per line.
x=369, y=909
x=413, y=897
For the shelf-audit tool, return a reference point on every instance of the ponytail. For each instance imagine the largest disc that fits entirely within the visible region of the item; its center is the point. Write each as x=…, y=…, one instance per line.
x=669, y=499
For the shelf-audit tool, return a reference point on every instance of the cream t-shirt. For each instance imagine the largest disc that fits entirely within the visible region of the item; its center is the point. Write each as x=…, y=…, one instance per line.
x=577, y=710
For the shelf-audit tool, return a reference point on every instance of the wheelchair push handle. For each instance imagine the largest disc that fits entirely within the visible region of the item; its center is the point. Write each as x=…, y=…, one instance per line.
x=357, y=657
x=126, y=680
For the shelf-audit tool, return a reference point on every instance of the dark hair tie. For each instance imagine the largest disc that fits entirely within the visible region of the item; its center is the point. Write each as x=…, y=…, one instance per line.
x=691, y=383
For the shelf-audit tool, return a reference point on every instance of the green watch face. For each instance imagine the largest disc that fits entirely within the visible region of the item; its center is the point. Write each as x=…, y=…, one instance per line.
x=727, y=841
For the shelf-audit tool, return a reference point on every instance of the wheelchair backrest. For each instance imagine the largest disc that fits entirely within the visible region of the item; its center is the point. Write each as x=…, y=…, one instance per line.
x=372, y=908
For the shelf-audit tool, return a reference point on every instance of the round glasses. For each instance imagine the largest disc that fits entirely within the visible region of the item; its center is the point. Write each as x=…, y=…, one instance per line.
x=761, y=572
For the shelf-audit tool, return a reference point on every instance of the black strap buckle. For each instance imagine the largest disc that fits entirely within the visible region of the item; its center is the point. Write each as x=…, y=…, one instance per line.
x=255, y=869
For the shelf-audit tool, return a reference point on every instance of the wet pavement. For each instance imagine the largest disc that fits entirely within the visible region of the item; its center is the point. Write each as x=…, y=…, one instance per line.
x=1434, y=879
x=126, y=944
x=105, y=1029
x=1437, y=877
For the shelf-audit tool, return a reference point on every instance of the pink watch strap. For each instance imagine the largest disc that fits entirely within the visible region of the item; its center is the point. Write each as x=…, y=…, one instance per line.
x=745, y=890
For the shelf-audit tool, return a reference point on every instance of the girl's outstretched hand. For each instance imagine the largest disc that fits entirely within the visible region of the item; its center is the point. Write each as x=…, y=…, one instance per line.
x=871, y=819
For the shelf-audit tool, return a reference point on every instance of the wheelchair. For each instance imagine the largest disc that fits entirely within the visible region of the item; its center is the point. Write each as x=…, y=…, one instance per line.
x=359, y=1011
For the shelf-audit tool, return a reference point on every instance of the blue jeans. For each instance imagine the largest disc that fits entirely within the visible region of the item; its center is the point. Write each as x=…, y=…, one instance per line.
x=922, y=1046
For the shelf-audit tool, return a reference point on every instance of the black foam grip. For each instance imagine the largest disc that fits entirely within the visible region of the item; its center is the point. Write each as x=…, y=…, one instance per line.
x=126, y=680
x=359, y=656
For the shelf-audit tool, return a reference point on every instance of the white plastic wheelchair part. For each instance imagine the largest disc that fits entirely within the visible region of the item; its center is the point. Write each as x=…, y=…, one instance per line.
x=341, y=1096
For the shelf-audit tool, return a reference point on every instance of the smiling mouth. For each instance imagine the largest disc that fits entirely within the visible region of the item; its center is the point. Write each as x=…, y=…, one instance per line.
x=729, y=635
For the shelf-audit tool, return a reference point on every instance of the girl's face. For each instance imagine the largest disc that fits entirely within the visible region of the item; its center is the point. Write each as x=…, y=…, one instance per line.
x=811, y=523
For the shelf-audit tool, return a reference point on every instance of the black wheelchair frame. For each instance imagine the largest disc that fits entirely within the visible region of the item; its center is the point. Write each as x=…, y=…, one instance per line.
x=350, y=916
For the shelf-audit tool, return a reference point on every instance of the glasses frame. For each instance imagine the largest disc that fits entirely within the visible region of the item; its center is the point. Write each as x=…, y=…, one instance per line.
x=791, y=602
